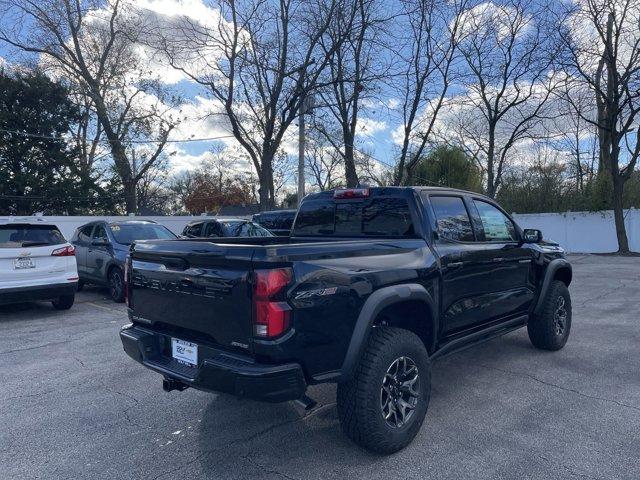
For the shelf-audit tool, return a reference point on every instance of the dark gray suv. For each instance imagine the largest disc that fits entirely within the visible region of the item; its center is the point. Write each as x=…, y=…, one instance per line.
x=102, y=247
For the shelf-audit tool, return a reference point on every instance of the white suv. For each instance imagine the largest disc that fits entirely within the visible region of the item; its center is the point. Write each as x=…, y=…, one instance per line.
x=36, y=263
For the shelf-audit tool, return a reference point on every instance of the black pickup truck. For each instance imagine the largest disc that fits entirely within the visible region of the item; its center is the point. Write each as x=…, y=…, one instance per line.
x=372, y=286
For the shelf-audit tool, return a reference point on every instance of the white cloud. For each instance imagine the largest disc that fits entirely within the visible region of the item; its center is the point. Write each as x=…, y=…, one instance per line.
x=369, y=126
x=488, y=17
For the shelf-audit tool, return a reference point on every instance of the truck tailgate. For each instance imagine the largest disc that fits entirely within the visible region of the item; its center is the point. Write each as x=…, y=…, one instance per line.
x=197, y=291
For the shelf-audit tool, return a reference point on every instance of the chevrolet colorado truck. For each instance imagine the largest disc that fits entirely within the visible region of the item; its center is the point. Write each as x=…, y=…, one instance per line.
x=372, y=286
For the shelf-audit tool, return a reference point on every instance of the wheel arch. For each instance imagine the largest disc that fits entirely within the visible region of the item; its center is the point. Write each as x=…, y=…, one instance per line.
x=375, y=311
x=110, y=268
x=558, y=269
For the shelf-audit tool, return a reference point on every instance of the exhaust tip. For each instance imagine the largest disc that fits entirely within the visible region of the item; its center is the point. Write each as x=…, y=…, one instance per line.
x=169, y=384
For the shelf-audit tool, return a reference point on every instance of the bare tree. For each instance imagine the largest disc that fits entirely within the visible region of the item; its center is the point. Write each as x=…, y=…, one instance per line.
x=91, y=44
x=323, y=163
x=508, y=50
x=258, y=61
x=574, y=136
x=430, y=31
x=355, y=70
x=603, y=53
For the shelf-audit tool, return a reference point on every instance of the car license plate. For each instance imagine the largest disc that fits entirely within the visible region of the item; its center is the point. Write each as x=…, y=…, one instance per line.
x=23, y=262
x=185, y=352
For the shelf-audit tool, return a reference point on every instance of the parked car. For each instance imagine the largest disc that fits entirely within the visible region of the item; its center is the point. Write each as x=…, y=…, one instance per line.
x=101, y=248
x=278, y=222
x=224, y=227
x=36, y=263
x=371, y=287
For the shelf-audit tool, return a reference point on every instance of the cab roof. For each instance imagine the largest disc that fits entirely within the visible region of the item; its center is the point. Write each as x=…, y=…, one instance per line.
x=398, y=191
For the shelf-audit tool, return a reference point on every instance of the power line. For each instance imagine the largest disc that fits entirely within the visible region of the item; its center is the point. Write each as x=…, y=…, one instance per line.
x=184, y=140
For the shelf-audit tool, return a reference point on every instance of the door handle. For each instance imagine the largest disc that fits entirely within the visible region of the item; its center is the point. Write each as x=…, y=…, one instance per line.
x=455, y=264
x=499, y=260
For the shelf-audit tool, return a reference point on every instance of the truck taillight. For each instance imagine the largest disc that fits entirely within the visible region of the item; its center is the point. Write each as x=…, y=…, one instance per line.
x=69, y=251
x=272, y=314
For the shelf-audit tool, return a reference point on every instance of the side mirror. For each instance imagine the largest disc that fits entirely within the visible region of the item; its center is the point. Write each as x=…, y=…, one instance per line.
x=531, y=235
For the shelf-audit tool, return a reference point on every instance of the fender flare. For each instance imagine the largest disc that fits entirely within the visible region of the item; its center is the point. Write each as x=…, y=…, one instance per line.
x=549, y=273
x=376, y=302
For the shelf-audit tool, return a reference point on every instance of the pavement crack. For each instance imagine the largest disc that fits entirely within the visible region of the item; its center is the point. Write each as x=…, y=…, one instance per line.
x=35, y=347
x=77, y=336
x=560, y=387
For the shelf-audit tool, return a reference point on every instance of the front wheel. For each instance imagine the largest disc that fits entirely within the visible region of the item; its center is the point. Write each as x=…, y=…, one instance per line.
x=550, y=329
x=116, y=285
x=383, y=406
x=64, y=302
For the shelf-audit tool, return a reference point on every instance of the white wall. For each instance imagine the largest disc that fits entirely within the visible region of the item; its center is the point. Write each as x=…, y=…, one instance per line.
x=578, y=232
x=584, y=232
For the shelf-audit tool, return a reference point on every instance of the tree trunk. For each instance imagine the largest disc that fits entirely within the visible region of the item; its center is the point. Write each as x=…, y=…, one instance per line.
x=266, y=189
x=406, y=176
x=491, y=153
x=351, y=176
x=130, y=196
x=618, y=213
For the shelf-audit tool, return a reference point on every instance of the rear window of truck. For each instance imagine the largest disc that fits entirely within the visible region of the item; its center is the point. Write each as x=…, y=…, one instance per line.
x=27, y=235
x=376, y=217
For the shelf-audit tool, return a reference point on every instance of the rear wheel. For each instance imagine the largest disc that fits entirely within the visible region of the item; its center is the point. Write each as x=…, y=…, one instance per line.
x=116, y=285
x=550, y=329
x=383, y=406
x=64, y=302
x=80, y=285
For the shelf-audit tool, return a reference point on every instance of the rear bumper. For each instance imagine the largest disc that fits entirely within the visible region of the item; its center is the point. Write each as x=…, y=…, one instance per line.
x=36, y=292
x=217, y=371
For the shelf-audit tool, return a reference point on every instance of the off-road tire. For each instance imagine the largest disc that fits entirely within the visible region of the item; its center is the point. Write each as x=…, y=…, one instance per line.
x=115, y=281
x=64, y=302
x=543, y=329
x=359, y=399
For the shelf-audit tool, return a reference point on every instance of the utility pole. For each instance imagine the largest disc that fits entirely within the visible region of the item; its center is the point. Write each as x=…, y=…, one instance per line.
x=301, y=148
x=306, y=106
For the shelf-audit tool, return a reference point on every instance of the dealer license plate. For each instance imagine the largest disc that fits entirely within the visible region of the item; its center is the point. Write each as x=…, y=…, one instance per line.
x=23, y=262
x=185, y=352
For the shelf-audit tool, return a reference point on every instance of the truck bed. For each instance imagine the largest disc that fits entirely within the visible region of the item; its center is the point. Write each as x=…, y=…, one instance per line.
x=201, y=291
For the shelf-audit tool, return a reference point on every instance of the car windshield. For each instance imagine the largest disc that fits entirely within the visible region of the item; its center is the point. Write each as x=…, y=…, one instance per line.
x=26, y=235
x=240, y=228
x=127, y=233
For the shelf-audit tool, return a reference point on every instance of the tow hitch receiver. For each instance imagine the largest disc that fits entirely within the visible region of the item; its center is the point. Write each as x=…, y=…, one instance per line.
x=306, y=402
x=169, y=384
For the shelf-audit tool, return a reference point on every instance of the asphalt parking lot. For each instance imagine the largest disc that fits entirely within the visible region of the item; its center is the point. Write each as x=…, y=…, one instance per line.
x=73, y=405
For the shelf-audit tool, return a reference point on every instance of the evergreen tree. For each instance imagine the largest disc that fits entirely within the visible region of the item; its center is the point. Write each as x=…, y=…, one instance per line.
x=36, y=161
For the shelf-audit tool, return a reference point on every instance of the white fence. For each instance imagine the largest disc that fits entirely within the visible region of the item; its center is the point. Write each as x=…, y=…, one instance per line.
x=578, y=232
x=584, y=232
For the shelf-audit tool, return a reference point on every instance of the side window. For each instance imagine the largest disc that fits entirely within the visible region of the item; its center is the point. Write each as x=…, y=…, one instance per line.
x=84, y=235
x=496, y=225
x=452, y=219
x=254, y=230
x=100, y=233
x=194, y=230
x=258, y=231
x=245, y=230
x=213, y=229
